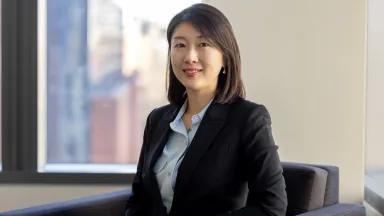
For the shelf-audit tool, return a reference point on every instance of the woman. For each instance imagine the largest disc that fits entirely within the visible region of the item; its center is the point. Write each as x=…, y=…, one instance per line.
x=210, y=152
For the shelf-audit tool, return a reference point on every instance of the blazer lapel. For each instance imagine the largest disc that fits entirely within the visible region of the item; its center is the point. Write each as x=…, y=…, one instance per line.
x=210, y=126
x=157, y=144
x=160, y=134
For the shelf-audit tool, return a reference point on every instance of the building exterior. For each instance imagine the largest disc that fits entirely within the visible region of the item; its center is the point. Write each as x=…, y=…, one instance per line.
x=105, y=73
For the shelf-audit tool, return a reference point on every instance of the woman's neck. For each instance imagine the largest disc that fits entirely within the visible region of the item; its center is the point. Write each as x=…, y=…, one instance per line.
x=197, y=101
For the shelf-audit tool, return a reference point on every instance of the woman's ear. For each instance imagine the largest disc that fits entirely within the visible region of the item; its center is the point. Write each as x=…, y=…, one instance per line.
x=222, y=70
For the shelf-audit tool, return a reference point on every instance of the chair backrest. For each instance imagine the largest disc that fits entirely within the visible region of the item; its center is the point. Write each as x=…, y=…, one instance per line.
x=332, y=190
x=310, y=187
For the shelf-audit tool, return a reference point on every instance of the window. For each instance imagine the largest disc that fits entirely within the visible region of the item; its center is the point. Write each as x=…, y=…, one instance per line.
x=102, y=67
x=78, y=81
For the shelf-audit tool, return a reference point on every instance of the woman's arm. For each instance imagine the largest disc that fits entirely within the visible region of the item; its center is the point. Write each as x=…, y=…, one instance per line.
x=267, y=195
x=138, y=203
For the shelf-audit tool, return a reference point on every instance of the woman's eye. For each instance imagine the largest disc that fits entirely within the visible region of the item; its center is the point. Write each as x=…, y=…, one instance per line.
x=204, y=44
x=179, y=45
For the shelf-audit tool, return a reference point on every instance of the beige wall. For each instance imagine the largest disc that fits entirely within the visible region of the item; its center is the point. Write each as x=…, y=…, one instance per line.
x=305, y=61
x=21, y=196
x=375, y=87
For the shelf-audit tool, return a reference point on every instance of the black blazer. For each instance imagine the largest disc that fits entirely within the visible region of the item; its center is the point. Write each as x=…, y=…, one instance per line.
x=231, y=167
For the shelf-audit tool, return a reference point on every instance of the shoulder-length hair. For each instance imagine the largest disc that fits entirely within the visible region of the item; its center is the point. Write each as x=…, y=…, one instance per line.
x=212, y=24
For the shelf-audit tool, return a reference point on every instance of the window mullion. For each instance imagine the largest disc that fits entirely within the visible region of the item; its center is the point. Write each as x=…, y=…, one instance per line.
x=19, y=85
x=9, y=85
x=28, y=55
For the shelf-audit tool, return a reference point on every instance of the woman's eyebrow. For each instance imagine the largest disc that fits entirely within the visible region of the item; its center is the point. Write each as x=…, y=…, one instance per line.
x=184, y=38
x=179, y=38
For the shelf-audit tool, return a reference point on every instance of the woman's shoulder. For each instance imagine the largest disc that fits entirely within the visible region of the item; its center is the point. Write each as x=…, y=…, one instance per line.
x=161, y=111
x=248, y=107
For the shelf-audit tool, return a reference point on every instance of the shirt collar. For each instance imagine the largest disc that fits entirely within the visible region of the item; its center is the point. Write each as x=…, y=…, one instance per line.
x=195, y=118
x=201, y=114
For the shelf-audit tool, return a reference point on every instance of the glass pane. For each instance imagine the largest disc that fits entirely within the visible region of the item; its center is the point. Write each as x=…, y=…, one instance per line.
x=102, y=67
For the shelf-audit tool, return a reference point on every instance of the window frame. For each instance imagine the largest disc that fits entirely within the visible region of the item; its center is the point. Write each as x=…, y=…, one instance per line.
x=20, y=103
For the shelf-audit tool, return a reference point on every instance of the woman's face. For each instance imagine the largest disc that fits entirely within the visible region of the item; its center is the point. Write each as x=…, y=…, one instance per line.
x=196, y=62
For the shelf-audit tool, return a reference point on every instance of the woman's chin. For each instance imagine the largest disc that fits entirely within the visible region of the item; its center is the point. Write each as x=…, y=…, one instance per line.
x=192, y=87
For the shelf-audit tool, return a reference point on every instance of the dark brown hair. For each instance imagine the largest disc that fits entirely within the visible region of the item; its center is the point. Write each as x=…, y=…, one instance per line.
x=212, y=24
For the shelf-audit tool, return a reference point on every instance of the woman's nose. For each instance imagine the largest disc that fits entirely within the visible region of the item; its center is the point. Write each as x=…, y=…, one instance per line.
x=191, y=56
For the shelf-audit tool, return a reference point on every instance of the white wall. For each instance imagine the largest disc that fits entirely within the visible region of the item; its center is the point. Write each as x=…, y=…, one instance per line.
x=305, y=61
x=375, y=87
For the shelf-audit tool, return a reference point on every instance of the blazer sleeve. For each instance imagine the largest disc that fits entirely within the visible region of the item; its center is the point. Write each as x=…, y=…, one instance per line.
x=138, y=203
x=266, y=184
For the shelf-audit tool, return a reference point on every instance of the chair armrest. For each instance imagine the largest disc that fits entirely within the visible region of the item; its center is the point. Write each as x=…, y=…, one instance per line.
x=341, y=209
x=109, y=204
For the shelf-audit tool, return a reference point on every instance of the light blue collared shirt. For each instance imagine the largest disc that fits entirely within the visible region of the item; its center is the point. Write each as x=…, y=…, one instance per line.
x=168, y=163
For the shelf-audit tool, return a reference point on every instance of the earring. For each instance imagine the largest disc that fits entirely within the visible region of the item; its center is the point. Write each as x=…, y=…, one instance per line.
x=223, y=71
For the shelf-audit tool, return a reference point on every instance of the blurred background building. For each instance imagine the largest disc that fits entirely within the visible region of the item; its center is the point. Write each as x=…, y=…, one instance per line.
x=105, y=73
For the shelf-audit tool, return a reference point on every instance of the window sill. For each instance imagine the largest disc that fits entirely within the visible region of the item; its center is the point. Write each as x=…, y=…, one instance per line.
x=89, y=168
x=74, y=174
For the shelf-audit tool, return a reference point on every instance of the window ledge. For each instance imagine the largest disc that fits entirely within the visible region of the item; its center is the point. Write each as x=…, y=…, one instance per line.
x=89, y=168
x=74, y=174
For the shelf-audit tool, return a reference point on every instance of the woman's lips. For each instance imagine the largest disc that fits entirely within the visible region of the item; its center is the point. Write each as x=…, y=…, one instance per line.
x=192, y=72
